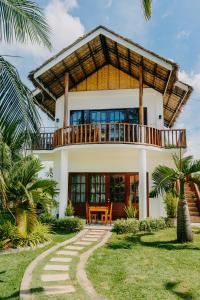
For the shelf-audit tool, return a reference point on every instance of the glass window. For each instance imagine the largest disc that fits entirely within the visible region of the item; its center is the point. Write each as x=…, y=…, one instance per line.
x=78, y=188
x=117, y=188
x=97, y=188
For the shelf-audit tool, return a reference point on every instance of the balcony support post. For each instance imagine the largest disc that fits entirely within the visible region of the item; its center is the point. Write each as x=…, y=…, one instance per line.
x=142, y=184
x=141, y=94
x=66, y=83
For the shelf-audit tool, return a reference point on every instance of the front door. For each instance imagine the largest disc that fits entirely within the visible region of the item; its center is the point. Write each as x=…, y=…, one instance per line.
x=98, y=188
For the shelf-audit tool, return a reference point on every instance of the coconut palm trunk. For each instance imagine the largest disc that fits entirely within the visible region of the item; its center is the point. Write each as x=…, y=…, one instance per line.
x=184, y=229
x=21, y=221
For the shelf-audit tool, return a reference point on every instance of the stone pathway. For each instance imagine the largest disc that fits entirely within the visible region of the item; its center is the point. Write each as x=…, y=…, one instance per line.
x=55, y=276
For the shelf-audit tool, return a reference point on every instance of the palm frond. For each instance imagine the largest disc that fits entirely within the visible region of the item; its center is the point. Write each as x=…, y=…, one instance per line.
x=16, y=102
x=192, y=167
x=23, y=20
x=164, y=179
x=13, y=137
x=147, y=8
x=194, y=179
x=26, y=170
x=3, y=191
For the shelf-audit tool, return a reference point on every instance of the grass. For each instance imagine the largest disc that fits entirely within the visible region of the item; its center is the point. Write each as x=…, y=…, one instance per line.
x=13, y=265
x=147, y=266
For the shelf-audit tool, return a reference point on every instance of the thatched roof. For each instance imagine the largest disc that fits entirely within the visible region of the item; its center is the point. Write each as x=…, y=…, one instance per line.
x=98, y=48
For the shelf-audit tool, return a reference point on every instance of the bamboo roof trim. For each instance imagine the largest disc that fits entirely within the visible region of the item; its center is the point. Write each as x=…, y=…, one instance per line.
x=99, y=51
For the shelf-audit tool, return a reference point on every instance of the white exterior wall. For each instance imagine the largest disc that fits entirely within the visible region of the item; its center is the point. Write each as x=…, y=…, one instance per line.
x=108, y=158
x=109, y=99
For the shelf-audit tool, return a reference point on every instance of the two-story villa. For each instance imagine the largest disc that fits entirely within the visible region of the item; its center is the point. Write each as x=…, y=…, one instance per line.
x=114, y=104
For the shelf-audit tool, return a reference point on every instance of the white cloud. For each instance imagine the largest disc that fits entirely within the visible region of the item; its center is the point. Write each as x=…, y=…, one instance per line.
x=183, y=35
x=65, y=29
x=191, y=78
x=190, y=115
x=109, y=3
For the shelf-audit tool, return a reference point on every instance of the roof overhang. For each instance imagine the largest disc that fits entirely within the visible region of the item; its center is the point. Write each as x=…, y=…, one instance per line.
x=98, y=48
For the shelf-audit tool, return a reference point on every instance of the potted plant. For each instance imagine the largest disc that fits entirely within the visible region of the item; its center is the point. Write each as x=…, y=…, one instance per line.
x=69, y=210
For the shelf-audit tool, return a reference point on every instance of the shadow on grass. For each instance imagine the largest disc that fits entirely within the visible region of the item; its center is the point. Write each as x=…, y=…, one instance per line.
x=2, y=272
x=15, y=295
x=129, y=241
x=171, y=286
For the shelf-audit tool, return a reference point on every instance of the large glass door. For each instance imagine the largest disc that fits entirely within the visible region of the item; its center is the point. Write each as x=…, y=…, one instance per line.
x=97, y=189
x=117, y=188
x=116, y=131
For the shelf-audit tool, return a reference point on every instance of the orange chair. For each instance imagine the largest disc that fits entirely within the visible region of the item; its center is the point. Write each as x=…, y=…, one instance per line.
x=103, y=216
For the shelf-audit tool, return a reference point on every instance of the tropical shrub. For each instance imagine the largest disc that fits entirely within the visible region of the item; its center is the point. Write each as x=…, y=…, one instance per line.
x=46, y=218
x=152, y=224
x=70, y=209
x=8, y=235
x=39, y=235
x=131, y=211
x=69, y=225
x=170, y=202
x=10, y=238
x=126, y=226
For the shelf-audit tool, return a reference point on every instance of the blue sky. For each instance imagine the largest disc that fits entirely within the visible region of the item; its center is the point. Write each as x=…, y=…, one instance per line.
x=173, y=32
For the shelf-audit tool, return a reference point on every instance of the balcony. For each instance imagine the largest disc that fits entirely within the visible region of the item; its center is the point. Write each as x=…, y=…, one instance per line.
x=111, y=133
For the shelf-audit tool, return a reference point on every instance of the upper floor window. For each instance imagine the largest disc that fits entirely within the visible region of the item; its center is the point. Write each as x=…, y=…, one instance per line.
x=127, y=115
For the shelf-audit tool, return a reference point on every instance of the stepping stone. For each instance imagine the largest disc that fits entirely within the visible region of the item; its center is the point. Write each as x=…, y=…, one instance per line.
x=61, y=259
x=71, y=247
x=56, y=268
x=92, y=236
x=95, y=233
x=83, y=243
x=59, y=289
x=89, y=239
x=54, y=277
x=65, y=252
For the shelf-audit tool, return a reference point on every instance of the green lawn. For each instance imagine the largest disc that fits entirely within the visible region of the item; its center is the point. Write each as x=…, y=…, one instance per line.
x=13, y=265
x=147, y=266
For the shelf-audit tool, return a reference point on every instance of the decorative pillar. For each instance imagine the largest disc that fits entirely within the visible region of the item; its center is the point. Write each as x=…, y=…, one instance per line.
x=142, y=184
x=62, y=178
x=63, y=196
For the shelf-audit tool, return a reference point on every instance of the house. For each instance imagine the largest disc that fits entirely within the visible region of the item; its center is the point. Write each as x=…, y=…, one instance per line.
x=114, y=105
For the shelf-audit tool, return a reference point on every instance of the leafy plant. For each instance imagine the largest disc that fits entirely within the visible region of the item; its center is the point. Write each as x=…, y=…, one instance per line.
x=170, y=201
x=8, y=235
x=126, y=226
x=69, y=209
x=39, y=235
x=69, y=225
x=131, y=211
x=47, y=218
x=152, y=224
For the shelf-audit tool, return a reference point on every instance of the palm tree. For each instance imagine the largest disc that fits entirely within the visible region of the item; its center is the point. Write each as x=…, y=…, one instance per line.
x=22, y=187
x=20, y=21
x=165, y=179
x=147, y=8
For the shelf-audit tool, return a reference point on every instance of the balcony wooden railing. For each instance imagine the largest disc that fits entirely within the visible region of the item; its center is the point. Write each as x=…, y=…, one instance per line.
x=112, y=133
